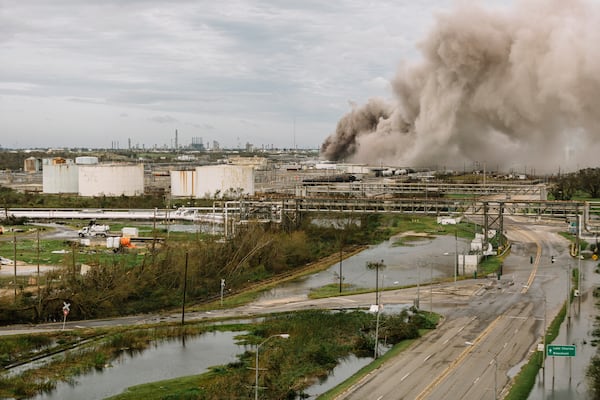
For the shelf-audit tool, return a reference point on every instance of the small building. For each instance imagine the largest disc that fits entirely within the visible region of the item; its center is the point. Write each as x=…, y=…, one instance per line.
x=32, y=165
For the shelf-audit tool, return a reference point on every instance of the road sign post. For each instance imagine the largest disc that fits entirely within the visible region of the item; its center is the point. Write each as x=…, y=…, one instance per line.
x=553, y=350
x=65, y=309
x=558, y=350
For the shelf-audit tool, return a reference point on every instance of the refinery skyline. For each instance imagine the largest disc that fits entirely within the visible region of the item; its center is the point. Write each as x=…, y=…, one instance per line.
x=79, y=73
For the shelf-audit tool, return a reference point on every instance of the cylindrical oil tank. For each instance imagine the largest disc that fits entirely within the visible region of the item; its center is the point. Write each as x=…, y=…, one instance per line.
x=232, y=181
x=86, y=160
x=111, y=180
x=59, y=178
x=183, y=183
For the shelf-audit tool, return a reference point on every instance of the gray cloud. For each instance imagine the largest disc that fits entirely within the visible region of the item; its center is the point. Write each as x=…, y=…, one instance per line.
x=164, y=119
x=267, y=62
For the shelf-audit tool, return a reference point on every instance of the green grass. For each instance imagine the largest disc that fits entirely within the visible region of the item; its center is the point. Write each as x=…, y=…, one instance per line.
x=491, y=264
x=188, y=387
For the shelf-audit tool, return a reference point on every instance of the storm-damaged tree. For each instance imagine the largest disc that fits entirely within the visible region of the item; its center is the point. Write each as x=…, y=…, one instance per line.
x=376, y=265
x=589, y=181
x=564, y=187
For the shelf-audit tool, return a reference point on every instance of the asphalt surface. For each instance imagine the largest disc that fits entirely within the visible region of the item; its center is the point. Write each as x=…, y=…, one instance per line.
x=489, y=327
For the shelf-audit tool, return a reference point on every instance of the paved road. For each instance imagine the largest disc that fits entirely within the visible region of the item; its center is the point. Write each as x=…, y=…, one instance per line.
x=479, y=347
x=489, y=328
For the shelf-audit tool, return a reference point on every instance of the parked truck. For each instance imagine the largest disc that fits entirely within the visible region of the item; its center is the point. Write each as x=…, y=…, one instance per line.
x=94, y=230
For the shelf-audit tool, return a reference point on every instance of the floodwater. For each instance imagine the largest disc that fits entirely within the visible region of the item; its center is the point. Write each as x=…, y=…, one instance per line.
x=565, y=377
x=165, y=360
x=344, y=370
x=423, y=261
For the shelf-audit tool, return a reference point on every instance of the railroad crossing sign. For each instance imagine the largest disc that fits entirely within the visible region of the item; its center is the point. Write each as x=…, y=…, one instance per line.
x=553, y=350
x=66, y=308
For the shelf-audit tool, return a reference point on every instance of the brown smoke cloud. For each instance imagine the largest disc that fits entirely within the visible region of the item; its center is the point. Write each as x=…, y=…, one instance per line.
x=514, y=88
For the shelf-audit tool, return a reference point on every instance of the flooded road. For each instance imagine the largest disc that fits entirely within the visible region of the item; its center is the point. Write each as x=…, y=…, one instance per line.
x=565, y=377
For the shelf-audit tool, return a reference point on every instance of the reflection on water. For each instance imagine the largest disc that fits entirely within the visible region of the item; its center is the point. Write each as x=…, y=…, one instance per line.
x=422, y=261
x=344, y=370
x=164, y=360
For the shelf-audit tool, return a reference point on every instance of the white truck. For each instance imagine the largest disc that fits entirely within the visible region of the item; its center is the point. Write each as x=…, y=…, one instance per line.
x=94, y=230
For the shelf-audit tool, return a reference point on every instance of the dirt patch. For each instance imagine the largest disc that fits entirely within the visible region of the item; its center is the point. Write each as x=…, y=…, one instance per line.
x=24, y=269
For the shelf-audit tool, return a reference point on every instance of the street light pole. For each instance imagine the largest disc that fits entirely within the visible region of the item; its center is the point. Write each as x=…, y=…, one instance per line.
x=281, y=335
x=418, y=284
x=431, y=288
x=455, y=255
x=495, y=377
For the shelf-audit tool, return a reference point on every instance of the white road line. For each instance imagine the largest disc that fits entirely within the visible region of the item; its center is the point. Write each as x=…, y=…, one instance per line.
x=428, y=357
x=404, y=377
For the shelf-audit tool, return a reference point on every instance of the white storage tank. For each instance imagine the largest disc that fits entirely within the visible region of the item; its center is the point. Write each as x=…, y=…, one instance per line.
x=32, y=164
x=183, y=183
x=86, y=160
x=111, y=180
x=59, y=175
x=229, y=181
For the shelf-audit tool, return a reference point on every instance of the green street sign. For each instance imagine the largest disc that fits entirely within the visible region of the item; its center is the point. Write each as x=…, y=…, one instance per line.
x=553, y=350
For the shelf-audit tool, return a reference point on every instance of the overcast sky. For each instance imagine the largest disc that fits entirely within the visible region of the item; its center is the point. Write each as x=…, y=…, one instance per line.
x=88, y=73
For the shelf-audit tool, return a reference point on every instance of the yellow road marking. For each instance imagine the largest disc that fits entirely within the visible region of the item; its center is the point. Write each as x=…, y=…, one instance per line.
x=538, y=256
x=454, y=364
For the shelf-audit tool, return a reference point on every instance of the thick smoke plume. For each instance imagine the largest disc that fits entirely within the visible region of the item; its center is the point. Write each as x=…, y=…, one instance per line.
x=514, y=88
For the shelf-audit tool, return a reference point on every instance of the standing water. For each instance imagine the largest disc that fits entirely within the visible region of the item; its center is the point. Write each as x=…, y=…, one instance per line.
x=166, y=360
x=430, y=258
x=565, y=377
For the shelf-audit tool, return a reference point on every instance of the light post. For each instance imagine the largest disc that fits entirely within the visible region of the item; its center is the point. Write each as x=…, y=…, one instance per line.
x=543, y=297
x=431, y=288
x=495, y=361
x=281, y=335
x=418, y=284
x=455, y=254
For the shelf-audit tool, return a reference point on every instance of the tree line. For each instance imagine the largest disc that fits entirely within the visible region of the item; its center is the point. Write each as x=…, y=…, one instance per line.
x=586, y=181
x=114, y=286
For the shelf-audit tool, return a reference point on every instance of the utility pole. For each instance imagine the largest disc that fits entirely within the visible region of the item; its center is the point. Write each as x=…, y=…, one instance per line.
x=38, y=267
x=341, y=257
x=184, y=289
x=15, y=262
x=455, y=254
x=569, y=296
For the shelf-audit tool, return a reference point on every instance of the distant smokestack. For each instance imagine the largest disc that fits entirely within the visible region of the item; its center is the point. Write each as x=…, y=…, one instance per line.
x=176, y=145
x=506, y=87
